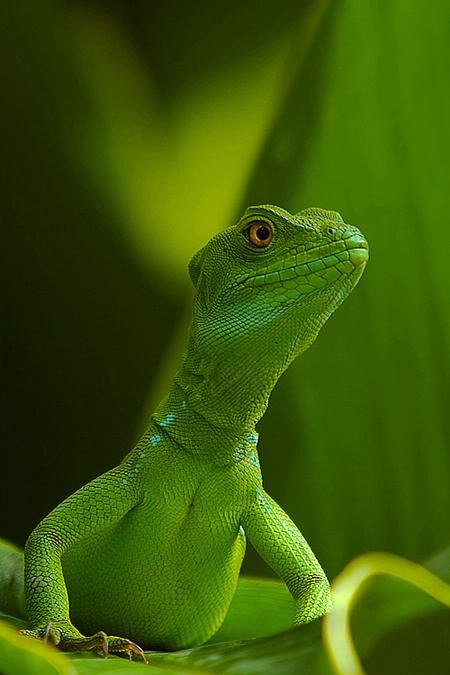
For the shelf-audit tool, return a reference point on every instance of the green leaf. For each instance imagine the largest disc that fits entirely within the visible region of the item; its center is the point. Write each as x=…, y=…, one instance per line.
x=259, y=607
x=337, y=632
x=297, y=651
x=23, y=656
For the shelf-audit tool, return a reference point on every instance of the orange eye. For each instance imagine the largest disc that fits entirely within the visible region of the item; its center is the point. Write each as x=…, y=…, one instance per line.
x=259, y=233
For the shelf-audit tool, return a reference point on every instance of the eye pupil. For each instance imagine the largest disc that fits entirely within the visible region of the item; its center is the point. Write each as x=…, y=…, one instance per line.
x=259, y=233
x=263, y=233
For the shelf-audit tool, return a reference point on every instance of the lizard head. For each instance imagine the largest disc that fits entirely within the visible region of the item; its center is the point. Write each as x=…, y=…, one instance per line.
x=266, y=286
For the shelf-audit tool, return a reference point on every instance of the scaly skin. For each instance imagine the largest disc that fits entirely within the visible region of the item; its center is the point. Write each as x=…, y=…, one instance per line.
x=152, y=549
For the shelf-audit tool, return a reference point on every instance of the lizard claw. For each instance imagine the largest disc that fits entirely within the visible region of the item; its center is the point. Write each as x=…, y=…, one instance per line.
x=106, y=644
x=99, y=643
x=47, y=630
x=122, y=646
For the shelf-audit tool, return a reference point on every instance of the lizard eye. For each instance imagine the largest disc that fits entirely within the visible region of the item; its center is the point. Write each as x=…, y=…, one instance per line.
x=259, y=233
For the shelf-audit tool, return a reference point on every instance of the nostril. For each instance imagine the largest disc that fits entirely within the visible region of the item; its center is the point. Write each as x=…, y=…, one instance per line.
x=356, y=241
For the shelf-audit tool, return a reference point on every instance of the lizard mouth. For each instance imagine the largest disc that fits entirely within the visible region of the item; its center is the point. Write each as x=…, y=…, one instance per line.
x=317, y=268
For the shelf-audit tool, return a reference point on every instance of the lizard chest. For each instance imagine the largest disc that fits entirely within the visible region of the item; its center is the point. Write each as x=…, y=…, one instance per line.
x=182, y=546
x=186, y=509
x=193, y=501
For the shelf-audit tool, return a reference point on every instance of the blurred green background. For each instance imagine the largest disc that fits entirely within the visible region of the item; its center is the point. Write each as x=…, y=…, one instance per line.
x=131, y=132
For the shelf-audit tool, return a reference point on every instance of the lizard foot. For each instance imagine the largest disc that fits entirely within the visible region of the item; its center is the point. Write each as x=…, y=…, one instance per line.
x=99, y=643
x=123, y=647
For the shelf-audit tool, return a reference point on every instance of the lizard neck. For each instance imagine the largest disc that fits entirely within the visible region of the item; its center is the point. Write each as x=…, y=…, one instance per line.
x=213, y=406
x=185, y=424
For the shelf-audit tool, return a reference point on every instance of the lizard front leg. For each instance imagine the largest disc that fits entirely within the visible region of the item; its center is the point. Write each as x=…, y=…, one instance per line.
x=283, y=547
x=96, y=505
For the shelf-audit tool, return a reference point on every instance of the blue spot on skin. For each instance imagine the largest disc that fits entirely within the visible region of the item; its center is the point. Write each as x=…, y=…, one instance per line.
x=254, y=437
x=142, y=455
x=98, y=483
x=184, y=405
x=169, y=418
x=259, y=496
x=254, y=459
x=154, y=440
x=124, y=481
x=267, y=508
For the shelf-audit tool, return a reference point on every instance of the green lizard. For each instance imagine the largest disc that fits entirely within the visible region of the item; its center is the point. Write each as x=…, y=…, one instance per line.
x=152, y=549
